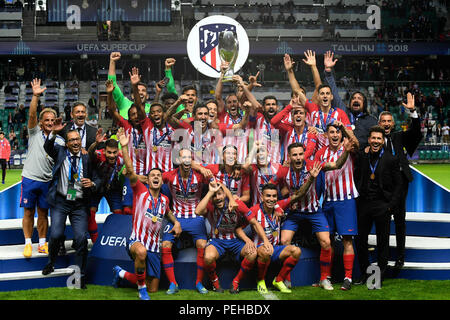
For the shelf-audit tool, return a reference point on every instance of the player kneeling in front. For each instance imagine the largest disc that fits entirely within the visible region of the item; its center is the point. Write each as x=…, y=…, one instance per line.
x=267, y=214
x=224, y=220
x=149, y=209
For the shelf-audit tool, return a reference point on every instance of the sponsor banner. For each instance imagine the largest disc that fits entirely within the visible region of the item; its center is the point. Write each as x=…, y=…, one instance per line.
x=256, y=48
x=111, y=243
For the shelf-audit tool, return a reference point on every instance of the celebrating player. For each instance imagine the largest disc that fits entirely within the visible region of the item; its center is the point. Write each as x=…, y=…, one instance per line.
x=223, y=237
x=149, y=208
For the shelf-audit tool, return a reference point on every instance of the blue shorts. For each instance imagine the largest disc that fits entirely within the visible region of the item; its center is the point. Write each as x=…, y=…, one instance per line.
x=127, y=193
x=341, y=216
x=152, y=262
x=195, y=227
x=317, y=219
x=277, y=249
x=223, y=245
x=114, y=198
x=33, y=193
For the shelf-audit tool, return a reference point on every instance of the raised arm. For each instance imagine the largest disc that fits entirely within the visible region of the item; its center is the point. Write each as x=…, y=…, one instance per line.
x=168, y=64
x=135, y=78
x=219, y=88
x=130, y=173
x=111, y=105
x=348, y=146
x=289, y=66
x=32, y=114
x=203, y=204
x=329, y=64
x=311, y=61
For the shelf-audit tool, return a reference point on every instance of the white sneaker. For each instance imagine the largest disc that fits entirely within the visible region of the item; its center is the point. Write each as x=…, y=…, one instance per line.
x=326, y=284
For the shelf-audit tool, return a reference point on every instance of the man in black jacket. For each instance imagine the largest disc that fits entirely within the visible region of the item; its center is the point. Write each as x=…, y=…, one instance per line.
x=399, y=144
x=378, y=181
x=356, y=111
x=78, y=122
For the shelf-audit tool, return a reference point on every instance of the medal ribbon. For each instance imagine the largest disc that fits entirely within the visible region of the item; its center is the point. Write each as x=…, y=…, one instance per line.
x=156, y=142
x=324, y=124
x=188, y=185
x=294, y=179
x=75, y=169
x=272, y=224
x=373, y=168
x=222, y=213
x=154, y=211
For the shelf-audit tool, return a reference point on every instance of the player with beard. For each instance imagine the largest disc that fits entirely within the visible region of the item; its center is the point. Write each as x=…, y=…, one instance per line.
x=360, y=119
x=267, y=213
x=308, y=207
x=261, y=172
x=322, y=113
x=107, y=162
x=190, y=92
x=339, y=203
x=122, y=102
x=223, y=237
x=150, y=207
x=296, y=130
x=239, y=185
x=185, y=185
x=137, y=148
x=204, y=141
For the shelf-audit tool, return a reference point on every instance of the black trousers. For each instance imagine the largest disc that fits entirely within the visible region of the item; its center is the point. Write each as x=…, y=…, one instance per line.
x=370, y=212
x=399, y=215
x=3, y=165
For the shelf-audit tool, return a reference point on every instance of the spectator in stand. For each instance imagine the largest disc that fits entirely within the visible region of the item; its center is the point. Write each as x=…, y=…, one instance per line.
x=445, y=133
x=92, y=103
x=17, y=119
x=438, y=133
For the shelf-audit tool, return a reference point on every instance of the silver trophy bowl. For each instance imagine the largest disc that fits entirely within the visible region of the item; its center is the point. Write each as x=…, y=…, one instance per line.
x=228, y=52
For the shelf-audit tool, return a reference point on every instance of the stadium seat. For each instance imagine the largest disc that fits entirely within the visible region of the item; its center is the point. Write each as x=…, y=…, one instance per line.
x=434, y=155
x=428, y=155
x=421, y=155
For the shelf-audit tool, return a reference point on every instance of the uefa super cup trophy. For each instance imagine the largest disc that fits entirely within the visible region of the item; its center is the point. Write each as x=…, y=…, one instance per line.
x=228, y=52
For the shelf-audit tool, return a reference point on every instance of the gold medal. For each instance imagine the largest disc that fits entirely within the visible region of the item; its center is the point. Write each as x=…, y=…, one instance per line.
x=216, y=231
x=372, y=176
x=75, y=176
x=275, y=234
x=155, y=148
x=135, y=151
x=154, y=219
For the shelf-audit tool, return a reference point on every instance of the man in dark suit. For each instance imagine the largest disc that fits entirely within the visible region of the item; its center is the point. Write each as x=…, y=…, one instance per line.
x=378, y=181
x=399, y=144
x=78, y=122
x=68, y=195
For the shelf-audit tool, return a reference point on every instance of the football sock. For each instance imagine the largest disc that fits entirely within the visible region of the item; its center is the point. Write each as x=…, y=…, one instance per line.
x=131, y=277
x=140, y=275
x=200, y=264
x=348, y=264
x=288, y=265
x=262, y=269
x=28, y=241
x=42, y=241
x=325, y=263
x=245, y=267
x=167, y=261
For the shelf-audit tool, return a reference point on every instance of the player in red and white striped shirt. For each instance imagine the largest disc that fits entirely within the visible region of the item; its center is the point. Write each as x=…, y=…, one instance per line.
x=134, y=127
x=323, y=113
x=185, y=185
x=260, y=172
x=307, y=207
x=268, y=214
x=297, y=130
x=225, y=174
x=339, y=203
x=223, y=223
x=150, y=207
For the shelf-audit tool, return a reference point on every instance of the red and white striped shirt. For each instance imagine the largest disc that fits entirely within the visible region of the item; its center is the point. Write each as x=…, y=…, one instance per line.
x=161, y=139
x=293, y=180
x=268, y=222
x=236, y=186
x=261, y=177
x=308, y=140
x=148, y=217
x=224, y=223
x=266, y=132
x=137, y=147
x=339, y=184
x=319, y=119
x=185, y=194
x=239, y=137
